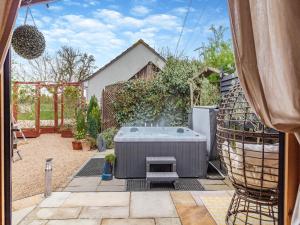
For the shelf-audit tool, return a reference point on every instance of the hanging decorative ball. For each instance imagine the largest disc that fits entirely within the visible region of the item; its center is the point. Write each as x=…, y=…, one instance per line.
x=28, y=41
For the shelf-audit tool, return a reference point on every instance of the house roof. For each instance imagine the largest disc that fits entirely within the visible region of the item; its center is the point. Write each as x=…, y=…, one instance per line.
x=141, y=41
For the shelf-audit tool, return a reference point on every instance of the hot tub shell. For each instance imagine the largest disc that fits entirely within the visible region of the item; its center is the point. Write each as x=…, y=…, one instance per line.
x=132, y=148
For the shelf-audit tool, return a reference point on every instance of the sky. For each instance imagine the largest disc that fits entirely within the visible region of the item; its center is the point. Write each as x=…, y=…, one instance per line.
x=105, y=28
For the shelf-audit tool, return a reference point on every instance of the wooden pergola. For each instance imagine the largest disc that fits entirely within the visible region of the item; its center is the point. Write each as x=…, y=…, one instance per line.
x=58, y=105
x=195, y=84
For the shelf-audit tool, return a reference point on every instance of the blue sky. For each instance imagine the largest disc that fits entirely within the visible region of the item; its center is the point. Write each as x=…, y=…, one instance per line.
x=105, y=28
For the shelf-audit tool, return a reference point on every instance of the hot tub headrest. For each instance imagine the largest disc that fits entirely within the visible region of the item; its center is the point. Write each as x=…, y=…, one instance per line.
x=134, y=129
x=180, y=130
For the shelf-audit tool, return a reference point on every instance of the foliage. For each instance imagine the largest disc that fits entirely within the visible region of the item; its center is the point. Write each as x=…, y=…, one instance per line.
x=108, y=136
x=80, y=122
x=111, y=158
x=93, y=118
x=71, y=101
x=79, y=135
x=28, y=41
x=217, y=53
x=210, y=94
x=163, y=100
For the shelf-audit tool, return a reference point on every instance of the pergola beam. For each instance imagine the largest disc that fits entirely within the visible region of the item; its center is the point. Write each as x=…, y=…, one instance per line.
x=32, y=2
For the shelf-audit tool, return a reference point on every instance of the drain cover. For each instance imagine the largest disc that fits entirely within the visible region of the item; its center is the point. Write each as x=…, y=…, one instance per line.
x=183, y=184
x=93, y=167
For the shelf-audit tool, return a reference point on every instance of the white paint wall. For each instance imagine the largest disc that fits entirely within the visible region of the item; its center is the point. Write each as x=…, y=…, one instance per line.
x=122, y=69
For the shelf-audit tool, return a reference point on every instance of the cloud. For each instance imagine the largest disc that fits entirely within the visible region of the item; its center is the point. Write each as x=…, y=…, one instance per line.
x=140, y=10
x=56, y=7
x=162, y=21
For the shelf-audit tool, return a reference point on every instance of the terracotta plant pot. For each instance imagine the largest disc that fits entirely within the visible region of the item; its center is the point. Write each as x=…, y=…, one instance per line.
x=86, y=145
x=77, y=145
x=66, y=134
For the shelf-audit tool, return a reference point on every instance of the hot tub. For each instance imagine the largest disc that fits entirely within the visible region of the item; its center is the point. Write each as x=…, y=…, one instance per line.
x=134, y=144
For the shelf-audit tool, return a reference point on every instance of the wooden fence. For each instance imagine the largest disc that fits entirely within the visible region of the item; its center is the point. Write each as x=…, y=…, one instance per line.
x=227, y=82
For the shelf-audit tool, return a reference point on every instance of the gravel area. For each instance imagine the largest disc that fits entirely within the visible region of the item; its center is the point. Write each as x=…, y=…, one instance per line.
x=28, y=173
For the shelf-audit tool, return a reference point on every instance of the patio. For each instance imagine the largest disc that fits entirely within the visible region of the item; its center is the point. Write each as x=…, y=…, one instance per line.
x=128, y=208
x=28, y=173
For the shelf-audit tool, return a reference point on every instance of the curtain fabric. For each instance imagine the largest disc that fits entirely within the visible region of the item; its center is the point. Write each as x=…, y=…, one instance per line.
x=8, y=13
x=266, y=39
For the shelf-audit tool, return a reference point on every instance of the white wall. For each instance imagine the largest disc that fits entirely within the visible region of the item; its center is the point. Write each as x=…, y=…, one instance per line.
x=122, y=69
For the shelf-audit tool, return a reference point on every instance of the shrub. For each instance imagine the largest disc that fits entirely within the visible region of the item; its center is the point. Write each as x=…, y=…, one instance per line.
x=80, y=122
x=93, y=118
x=108, y=136
x=110, y=158
x=79, y=135
x=164, y=100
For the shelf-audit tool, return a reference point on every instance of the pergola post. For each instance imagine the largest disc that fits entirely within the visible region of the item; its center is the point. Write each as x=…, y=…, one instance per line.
x=62, y=107
x=37, y=107
x=55, y=99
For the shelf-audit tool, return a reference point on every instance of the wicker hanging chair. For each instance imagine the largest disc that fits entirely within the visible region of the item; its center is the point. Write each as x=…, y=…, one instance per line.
x=249, y=151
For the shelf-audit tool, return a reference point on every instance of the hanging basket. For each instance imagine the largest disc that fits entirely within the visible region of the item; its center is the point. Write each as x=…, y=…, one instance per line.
x=28, y=42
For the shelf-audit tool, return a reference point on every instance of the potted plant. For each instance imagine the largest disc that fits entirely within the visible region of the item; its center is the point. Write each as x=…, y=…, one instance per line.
x=108, y=167
x=77, y=144
x=66, y=131
x=86, y=144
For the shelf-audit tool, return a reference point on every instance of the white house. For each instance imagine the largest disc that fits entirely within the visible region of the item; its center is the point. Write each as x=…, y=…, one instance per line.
x=122, y=68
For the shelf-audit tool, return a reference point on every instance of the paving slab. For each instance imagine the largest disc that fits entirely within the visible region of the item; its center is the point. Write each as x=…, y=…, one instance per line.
x=87, y=188
x=216, y=187
x=113, y=182
x=194, y=215
x=27, y=202
x=55, y=200
x=209, y=181
x=183, y=198
x=111, y=188
x=19, y=215
x=97, y=199
x=152, y=205
x=128, y=222
x=217, y=206
x=33, y=222
x=85, y=181
x=167, y=221
x=74, y=222
x=197, y=197
x=57, y=213
x=104, y=212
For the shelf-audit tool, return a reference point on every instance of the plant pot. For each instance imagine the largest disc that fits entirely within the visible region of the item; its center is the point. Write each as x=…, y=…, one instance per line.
x=66, y=134
x=107, y=171
x=86, y=145
x=77, y=145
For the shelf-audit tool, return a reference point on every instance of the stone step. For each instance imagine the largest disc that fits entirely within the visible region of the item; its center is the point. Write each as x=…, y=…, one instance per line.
x=161, y=160
x=161, y=176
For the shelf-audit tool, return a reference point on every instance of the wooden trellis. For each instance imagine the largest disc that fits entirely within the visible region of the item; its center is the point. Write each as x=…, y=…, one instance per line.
x=57, y=103
x=195, y=84
x=108, y=97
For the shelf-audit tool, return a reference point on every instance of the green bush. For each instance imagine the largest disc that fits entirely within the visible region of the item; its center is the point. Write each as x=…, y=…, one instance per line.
x=80, y=121
x=110, y=158
x=93, y=118
x=164, y=100
x=108, y=136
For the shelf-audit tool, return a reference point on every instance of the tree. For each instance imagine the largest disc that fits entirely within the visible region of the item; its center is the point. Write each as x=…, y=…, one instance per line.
x=93, y=118
x=217, y=52
x=66, y=65
x=71, y=65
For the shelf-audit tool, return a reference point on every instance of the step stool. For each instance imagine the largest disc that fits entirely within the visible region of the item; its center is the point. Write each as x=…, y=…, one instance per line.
x=171, y=176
